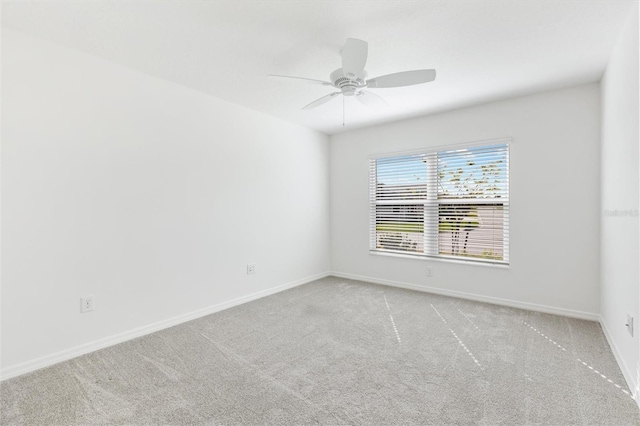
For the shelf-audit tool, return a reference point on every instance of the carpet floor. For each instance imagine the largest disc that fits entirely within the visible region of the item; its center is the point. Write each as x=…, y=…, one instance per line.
x=337, y=351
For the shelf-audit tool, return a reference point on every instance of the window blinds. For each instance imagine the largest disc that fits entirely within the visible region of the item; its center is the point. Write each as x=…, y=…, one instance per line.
x=449, y=203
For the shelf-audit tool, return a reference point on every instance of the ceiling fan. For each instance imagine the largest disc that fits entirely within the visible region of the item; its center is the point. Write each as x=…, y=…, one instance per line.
x=352, y=80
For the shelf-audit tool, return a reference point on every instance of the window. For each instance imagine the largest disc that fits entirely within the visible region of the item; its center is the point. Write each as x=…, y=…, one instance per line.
x=443, y=203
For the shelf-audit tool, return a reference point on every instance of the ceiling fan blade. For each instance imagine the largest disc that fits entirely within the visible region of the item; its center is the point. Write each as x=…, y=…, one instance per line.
x=405, y=78
x=321, y=101
x=308, y=80
x=354, y=57
x=370, y=99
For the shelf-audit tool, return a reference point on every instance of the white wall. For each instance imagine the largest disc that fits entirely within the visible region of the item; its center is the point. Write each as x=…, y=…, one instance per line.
x=554, y=204
x=619, y=234
x=147, y=195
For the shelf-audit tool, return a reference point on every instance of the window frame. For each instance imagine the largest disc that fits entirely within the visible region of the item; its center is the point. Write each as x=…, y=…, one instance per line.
x=432, y=203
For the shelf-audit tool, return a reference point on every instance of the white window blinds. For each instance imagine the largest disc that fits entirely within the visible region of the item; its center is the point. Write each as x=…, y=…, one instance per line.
x=447, y=203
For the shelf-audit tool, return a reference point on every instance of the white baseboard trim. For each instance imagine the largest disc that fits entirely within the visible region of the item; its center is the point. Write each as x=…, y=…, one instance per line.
x=476, y=297
x=626, y=371
x=64, y=355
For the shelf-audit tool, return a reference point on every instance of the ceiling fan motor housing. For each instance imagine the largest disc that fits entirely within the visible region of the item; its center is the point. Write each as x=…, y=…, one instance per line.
x=347, y=84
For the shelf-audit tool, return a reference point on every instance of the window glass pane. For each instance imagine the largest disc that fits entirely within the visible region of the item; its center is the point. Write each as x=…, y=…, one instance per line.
x=472, y=230
x=476, y=172
x=401, y=178
x=400, y=227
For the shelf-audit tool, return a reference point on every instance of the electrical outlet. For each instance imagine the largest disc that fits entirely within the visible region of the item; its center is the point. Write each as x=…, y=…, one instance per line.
x=251, y=268
x=629, y=324
x=86, y=304
x=429, y=271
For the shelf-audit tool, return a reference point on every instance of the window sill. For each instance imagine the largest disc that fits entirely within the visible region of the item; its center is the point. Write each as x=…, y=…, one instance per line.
x=441, y=259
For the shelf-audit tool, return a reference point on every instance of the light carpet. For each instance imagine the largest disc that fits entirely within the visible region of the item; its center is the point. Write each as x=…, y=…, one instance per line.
x=337, y=351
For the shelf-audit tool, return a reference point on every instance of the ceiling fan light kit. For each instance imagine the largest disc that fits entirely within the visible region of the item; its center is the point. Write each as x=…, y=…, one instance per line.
x=351, y=79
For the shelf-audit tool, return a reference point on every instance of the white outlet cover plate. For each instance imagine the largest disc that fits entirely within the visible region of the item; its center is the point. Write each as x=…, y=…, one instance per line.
x=251, y=268
x=86, y=304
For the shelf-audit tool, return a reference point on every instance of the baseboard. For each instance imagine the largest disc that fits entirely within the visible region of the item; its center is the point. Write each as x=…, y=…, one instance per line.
x=476, y=297
x=48, y=360
x=626, y=372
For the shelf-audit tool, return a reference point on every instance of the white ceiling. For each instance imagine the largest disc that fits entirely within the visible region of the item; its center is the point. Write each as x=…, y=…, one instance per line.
x=482, y=50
